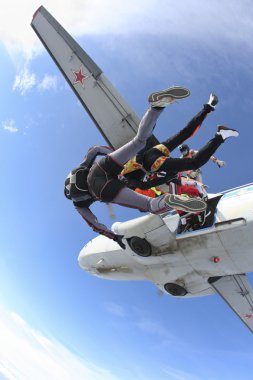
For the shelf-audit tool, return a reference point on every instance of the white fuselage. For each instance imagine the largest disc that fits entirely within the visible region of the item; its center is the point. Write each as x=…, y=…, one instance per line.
x=187, y=259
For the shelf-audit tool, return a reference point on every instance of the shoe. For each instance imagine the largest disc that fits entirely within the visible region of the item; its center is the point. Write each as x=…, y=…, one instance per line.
x=187, y=204
x=167, y=96
x=213, y=101
x=226, y=132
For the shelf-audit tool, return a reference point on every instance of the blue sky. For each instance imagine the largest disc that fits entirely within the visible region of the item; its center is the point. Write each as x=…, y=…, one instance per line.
x=56, y=321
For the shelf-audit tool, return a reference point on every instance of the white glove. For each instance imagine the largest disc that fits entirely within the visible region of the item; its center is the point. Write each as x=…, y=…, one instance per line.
x=220, y=163
x=213, y=100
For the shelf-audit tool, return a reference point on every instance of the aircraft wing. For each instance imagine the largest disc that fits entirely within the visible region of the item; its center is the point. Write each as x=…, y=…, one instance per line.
x=114, y=118
x=238, y=294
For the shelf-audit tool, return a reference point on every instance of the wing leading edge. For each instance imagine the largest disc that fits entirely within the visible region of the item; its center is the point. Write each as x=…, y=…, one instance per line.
x=238, y=294
x=114, y=118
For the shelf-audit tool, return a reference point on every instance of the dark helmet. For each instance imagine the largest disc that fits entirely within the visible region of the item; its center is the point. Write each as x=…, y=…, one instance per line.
x=75, y=186
x=184, y=149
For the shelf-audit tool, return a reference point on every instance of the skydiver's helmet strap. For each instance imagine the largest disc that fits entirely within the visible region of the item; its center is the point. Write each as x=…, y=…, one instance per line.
x=75, y=187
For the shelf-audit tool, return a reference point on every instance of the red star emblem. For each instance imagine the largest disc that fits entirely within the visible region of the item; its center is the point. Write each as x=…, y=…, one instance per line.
x=79, y=77
x=248, y=316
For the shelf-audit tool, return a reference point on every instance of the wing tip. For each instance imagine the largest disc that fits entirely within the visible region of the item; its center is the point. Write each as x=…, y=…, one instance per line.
x=37, y=11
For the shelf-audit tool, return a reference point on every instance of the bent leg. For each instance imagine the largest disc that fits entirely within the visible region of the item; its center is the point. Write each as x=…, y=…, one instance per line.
x=159, y=205
x=190, y=129
x=129, y=198
x=146, y=126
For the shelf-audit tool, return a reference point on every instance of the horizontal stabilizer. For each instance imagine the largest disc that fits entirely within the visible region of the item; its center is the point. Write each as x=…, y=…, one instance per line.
x=238, y=294
x=114, y=118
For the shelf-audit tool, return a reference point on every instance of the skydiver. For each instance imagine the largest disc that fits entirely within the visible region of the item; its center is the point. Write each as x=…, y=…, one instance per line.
x=157, y=158
x=188, y=153
x=98, y=180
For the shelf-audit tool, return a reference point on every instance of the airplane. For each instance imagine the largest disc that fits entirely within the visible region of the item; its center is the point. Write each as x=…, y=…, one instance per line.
x=211, y=259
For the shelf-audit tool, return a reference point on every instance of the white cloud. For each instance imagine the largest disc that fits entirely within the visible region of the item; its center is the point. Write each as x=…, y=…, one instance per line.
x=194, y=19
x=217, y=28
x=115, y=309
x=143, y=323
x=48, y=82
x=9, y=126
x=24, y=81
x=175, y=374
x=153, y=327
x=27, y=354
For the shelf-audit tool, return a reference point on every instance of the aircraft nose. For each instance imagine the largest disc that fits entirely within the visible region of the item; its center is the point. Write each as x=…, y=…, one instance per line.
x=85, y=257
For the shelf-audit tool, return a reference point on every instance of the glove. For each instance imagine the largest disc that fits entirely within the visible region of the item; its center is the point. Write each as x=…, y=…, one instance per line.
x=220, y=163
x=213, y=101
x=118, y=239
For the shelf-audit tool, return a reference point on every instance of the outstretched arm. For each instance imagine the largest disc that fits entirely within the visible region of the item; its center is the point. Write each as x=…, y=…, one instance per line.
x=92, y=221
x=218, y=162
